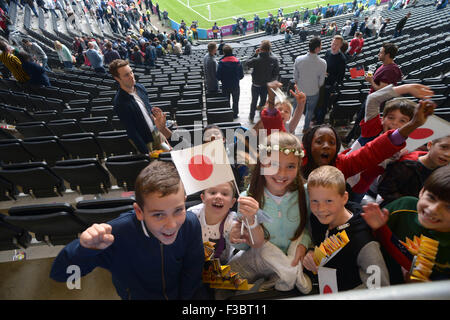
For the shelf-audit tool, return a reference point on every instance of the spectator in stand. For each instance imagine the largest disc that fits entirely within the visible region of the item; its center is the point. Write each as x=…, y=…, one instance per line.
x=37, y=74
x=335, y=74
x=303, y=34
x=346, y=29
x=400, y=25
x=150, y=54
x=356, y=44
x=30, y=3
x=165, y=21
x=51, y=6
x=95, y=58
x=110, y=54
x=363, y=25
x=137, y=56
x=145, y=125
x=210, y=69
x=177, y=48
x=256, y=23
x=354, y=28
x=313, y=19
x=370, y=29
x=388, y=73
x=382, y=30
x=4, y=22
x=309, y=75
x=187, y=48
x=36, y=53
x=64, y=54
x=230, y=72
x=157, y=11
x=265, y=69
x=13, y=63
x=215, y=30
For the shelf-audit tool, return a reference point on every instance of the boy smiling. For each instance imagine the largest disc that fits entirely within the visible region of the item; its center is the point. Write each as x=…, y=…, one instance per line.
x=155, y=252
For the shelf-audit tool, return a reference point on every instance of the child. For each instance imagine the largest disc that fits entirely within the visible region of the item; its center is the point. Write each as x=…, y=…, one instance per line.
x=327, y=201
x=396, y=113
x=281, y=196
x=322, y=144
x=216, y=217
x=153, y=252
x=406, y=176
x=428, y=215
x=289, y=120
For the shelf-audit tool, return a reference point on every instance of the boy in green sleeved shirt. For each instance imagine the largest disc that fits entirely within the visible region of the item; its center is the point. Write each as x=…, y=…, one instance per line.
x=407, y=217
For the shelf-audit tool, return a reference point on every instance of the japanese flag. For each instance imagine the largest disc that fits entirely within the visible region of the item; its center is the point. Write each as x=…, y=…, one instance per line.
x=434, y=128
x=203, y=166
x=327, y=280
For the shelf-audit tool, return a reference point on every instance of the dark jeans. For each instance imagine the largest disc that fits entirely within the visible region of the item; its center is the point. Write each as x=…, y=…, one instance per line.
x=234, y=93
x=257, y=92
x=322, y=109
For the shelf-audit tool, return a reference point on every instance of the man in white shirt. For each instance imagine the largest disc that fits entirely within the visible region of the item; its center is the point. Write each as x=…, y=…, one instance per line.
x=309, y=76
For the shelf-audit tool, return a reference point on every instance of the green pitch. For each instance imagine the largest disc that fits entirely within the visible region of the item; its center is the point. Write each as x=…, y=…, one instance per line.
x=223, y=11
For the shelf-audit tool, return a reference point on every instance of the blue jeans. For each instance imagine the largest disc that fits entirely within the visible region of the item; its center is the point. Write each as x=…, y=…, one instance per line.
x=235, y=93
x=311, y=102
x=68, y=64
x=257, y=92
x=45, y=64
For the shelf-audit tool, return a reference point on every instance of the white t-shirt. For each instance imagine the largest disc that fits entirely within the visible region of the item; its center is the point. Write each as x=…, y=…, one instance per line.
x=143, y=110
x=212, y=233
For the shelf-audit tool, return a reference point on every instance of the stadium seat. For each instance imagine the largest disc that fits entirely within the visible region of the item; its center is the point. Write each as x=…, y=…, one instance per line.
x=8, y=190
x=64, y=126
x=103, y=111
x=12, y=237
x=189, y=104
x=188, y=117
x=75, y=113
x=18, y=114
x=34, y=129
x=54, y=224
x=95, y=124
x=47, y=149
x=35, y=179
x=115, y=143
x=13, y=151
x=87, y=176
x=102, y=210
x=82, y=145
x=343, y=112
x=125, y=168
x=220, y=115
x=217, y=102
x=46, y=116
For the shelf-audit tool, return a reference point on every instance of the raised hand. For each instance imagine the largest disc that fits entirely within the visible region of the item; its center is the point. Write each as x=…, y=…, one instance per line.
x=374, y=216
x=159, y=117
x=97, y=236
x=298, y=95
x=420, y=91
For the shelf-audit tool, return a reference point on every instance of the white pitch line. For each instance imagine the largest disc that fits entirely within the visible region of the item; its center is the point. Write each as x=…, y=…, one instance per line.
x=205, y=4
x=246, y=13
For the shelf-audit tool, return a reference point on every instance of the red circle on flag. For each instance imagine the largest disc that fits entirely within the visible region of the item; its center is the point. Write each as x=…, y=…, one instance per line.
x=421, y=133
x=327, y=289
x=200, y=167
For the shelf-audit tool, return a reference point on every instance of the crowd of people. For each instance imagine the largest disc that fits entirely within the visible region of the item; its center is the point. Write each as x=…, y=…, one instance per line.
x=269, y=227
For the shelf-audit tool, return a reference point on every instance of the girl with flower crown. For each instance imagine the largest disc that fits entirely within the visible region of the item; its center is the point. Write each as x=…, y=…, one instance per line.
x=277, y=187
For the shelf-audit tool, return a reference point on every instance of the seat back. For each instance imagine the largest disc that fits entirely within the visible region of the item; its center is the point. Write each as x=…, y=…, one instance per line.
x=126, y=169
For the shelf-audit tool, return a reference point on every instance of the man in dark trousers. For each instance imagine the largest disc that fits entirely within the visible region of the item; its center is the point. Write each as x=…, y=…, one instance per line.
x=157, y=11
x=335, y=74
x=400, y=25
x=143, y=123
x=230, y=72
x=265, y=69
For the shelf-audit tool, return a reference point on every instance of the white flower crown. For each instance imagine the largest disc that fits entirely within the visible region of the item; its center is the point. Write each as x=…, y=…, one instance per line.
x=286, y=151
